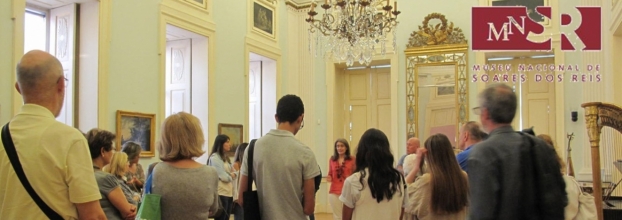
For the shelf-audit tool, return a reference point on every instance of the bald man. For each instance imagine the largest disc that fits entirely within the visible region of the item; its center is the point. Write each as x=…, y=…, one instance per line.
x=55, y=157
x=411, y=147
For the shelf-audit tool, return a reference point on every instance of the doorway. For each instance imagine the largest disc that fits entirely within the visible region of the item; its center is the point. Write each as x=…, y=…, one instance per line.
x=262, y=95
x=68, y=30
x=186, y=72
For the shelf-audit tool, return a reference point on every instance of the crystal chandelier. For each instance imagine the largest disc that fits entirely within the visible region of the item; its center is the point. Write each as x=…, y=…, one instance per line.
x=353, y=28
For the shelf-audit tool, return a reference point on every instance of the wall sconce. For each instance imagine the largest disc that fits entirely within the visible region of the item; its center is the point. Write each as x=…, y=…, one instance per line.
x=574, y=116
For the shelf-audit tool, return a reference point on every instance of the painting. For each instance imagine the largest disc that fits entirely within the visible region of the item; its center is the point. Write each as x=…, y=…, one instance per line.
x=445, y=90
x=530, y=4
x=138, y=128
x=235, y=133
x=263, y=19
x=198, y=3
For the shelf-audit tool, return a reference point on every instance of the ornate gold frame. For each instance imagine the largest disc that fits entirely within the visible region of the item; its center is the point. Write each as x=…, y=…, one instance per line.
x=440, y=44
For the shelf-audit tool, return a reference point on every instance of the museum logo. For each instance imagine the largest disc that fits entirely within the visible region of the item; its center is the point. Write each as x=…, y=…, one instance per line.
x=511, y=29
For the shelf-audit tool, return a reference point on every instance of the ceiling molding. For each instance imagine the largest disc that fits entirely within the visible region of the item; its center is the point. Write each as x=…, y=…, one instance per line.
x=298, y=5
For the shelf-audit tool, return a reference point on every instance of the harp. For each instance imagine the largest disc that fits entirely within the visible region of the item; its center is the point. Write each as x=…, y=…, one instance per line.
x=597, y=115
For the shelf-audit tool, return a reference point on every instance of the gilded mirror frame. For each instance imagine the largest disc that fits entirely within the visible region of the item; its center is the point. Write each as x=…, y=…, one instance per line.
x=436, y=45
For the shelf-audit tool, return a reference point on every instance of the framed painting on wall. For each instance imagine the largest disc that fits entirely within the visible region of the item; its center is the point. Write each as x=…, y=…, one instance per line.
x=236, y=136
x=263, y=19
x=136, y=127
x=198, y=3
x=531, y=8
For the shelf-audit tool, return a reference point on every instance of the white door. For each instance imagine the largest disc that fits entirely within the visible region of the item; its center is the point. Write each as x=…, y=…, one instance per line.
x=254, y=97
x=178, y=76
x=62, y=41
x=368, y=102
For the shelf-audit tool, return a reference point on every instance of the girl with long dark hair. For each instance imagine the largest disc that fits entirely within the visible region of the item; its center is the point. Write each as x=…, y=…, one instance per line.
x=341, y=165
x=376, y=184
x=219, y=160
x=442, y=193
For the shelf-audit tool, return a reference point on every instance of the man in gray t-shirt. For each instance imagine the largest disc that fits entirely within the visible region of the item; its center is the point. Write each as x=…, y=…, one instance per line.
x=283, y=167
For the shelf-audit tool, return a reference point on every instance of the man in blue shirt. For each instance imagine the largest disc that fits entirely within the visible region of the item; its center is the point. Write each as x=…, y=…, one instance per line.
x=470, y=134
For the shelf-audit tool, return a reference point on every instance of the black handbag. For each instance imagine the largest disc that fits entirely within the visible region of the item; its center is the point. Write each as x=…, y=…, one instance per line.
x=7, y=141
x=251, y=198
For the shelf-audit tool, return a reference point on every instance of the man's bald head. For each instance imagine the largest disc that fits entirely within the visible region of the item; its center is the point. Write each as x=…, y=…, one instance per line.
x=39, y=80
x=412, y=144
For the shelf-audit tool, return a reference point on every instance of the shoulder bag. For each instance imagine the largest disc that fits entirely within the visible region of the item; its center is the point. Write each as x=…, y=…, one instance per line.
x=587, y=207
x=150, y=207
x=251, y=198
x=9, y=147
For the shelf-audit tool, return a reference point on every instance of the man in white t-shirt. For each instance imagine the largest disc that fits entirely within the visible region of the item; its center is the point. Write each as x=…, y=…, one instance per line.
x=411, y=147
x=283, y=167
x=55, y=157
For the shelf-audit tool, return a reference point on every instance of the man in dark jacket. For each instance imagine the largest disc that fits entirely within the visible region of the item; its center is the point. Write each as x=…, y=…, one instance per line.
x=512, y=175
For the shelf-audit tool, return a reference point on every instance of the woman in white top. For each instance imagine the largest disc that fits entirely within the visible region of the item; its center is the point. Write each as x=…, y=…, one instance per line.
x=376, y=190
x=226, y=174
x=441, y=193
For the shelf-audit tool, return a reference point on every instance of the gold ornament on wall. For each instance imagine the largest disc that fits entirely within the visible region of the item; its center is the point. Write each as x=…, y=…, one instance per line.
x=441, y=33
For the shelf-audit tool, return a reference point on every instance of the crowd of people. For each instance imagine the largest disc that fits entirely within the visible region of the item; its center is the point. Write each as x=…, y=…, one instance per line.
x=494, y=177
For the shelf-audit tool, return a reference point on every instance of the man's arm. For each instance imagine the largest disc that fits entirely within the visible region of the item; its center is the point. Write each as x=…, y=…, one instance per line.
x=243, y=183
x=242, y=186
x=90, y=211
x=309, y=196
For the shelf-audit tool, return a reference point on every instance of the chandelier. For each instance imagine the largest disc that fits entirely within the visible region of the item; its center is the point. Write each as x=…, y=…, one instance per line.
x=353, y=28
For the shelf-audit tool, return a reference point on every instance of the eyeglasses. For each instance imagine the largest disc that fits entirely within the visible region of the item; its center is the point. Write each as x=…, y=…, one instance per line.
x=477, y=110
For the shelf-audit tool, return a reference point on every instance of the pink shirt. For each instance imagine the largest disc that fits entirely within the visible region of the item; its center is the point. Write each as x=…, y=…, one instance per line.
x=339, y=173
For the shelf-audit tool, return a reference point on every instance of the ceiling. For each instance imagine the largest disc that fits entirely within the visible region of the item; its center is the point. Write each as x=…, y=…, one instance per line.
x=50, y=4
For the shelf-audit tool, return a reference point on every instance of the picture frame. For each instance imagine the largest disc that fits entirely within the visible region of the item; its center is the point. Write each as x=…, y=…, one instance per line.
x=136, y=127
x=235, y=133
x=197, y=3
x=531, y=7
x=264, y=19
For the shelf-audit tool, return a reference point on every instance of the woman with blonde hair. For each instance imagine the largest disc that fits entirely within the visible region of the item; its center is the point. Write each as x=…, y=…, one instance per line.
x=442, y=193
x=188, y=189
x=118, y=167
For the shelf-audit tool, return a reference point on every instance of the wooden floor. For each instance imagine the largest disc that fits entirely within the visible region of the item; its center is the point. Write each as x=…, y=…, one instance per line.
x=318, y=216
x=323, y=216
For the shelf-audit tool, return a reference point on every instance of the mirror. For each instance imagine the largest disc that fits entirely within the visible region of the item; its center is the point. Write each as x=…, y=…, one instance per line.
x=436, y=80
